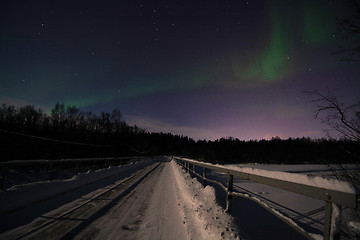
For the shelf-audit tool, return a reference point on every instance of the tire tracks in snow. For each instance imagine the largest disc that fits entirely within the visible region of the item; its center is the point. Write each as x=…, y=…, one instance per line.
x=163, y=219
x=127, y=217
x=71, y=222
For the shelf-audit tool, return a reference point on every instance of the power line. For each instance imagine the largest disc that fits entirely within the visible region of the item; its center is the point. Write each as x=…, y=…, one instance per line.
x=67, y=142
x=55, y=140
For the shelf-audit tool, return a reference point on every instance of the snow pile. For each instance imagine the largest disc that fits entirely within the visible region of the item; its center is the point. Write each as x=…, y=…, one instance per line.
x=23, y=195
x=355, y=227
x=350, y=223
x=315, y=181
x=203, y=217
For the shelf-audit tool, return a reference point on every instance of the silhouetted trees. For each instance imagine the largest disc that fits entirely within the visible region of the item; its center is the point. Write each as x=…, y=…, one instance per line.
x=27, y=132
x=349, y=29
x=276, y=150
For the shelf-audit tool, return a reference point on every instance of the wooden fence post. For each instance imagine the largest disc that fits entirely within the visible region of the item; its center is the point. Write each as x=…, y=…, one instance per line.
x=49, y=170
x=328, y=216
x=228, y=195
x=192, y=170
x=3, y=177
x=78, y=167
x=204, y=177
x=94, y=165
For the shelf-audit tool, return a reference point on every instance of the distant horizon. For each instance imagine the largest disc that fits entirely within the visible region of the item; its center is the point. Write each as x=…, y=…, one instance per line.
x=152, y=126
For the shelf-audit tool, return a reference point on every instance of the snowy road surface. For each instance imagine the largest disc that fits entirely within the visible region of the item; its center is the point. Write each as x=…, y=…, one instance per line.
x=153, y=200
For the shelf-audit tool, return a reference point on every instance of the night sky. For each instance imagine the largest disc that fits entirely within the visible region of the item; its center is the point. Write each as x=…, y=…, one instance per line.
x=201, y=68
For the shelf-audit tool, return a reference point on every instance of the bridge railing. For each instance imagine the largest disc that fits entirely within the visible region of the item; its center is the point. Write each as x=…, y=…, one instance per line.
x=49, y=166
x=329, y=196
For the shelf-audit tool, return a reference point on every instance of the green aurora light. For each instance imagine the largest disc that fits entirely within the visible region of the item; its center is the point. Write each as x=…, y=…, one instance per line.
x=318, y=23
x=145, y=86
x=275, y=63
x=272, y=63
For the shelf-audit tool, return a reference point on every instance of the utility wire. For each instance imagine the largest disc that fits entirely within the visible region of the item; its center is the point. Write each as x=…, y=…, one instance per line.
x=55, y=140
x=67, y=142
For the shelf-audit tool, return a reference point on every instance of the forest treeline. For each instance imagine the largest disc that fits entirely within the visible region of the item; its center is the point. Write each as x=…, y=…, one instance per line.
x=67, y=132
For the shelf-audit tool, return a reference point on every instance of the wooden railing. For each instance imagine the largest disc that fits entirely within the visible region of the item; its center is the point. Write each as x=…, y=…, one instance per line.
x=330, y=196
x=51, y=165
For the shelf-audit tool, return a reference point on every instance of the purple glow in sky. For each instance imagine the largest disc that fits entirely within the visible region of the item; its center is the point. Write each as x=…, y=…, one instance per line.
x=205, y=69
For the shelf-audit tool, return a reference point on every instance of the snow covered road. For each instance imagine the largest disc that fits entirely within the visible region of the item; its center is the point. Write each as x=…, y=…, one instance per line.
x=158, y=201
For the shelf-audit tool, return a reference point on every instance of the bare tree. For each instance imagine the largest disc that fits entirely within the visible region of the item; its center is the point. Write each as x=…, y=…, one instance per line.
x=58, y=115
x=349, y=29
x=344, y=119
x=115, y=118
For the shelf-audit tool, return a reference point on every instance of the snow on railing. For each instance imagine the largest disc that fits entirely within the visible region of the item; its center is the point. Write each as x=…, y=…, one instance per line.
x=335, y=193
x=48, y=165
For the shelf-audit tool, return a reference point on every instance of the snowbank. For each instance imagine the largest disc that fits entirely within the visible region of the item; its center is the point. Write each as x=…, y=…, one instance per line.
x=203, y=217
x=315, y=181
x=23, y=195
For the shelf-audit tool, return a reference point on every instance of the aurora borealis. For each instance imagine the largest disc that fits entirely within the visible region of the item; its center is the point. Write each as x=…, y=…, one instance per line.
x=206, y=69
